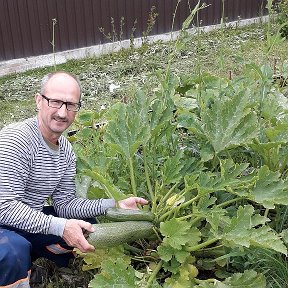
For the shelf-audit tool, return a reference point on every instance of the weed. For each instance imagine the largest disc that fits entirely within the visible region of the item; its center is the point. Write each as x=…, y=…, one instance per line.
x=114, y=36
x=54, y=22
x=150, y=25
x=272, y=265
x=282, y=17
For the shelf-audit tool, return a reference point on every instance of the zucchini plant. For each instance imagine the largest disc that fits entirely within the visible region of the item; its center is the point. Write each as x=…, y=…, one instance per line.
x=210, y=154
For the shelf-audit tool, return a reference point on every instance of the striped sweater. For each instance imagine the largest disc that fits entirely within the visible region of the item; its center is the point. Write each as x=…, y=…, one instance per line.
x=30, y=172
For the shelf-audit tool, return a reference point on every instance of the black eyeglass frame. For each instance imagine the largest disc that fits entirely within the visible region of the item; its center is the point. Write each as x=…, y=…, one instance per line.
x=76, y=105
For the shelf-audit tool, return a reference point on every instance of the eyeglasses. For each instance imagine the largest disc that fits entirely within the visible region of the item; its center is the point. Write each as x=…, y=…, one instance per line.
x=53, y=103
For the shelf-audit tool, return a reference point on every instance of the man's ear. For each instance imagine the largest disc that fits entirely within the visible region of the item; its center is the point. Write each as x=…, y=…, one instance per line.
x=38, y=99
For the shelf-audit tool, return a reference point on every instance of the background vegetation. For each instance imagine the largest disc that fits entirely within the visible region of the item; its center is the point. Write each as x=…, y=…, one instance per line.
x=221, y=52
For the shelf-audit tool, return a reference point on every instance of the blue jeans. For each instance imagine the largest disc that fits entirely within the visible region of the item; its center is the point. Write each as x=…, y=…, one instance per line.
x=19, y=248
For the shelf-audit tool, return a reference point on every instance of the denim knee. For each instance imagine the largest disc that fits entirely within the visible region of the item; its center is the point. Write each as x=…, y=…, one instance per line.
x=15, y=259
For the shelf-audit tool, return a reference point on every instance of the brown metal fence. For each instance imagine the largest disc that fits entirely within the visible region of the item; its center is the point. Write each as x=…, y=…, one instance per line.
x=26, y=25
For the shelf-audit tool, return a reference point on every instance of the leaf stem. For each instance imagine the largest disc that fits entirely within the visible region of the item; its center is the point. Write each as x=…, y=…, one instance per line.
x=284, y=165
x=154, y=274
x=132, y=177
x=197, y=219
x=210, y=280
x=185, y=217
x=157, y=234
x=168, y=193
x=148, y=181
x=229, y=202
x=183, y=205
x=266, y=212
x=132, y=249
x=202, y=245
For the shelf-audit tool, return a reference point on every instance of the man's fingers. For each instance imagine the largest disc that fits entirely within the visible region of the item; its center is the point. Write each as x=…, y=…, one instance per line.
x=74, y=234
x=84, y=246
x=86, y=226
x=141, y=201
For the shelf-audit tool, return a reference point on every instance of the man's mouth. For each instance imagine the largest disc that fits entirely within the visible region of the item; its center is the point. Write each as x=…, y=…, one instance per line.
x=64, y=120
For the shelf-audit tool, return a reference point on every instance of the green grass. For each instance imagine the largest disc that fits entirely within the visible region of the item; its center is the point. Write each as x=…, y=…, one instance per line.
x=14, y=110
x=273, y=265
x=220, y=52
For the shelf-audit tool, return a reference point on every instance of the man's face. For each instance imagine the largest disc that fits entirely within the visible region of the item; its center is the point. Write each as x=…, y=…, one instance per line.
x=54, y=121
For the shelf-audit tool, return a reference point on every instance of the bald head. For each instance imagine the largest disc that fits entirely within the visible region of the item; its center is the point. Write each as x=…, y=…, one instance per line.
x=60, y=74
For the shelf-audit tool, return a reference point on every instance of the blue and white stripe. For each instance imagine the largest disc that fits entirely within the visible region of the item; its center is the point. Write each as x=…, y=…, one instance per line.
x=31, y=172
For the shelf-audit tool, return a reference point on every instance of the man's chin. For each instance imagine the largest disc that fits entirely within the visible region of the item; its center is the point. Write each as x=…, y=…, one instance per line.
x=60, y=127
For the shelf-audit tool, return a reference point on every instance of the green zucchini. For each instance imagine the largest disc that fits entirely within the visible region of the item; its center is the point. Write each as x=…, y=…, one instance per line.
x=113, y=234
x=119, y=214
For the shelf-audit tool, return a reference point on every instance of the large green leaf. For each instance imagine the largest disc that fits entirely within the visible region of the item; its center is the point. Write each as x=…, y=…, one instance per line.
x=104, y=180
x=172, y=168
x=114, y=273
x=160, y=115
x=246, y=229
x=229, y=122
x=248, y=279
x=278, y=133
x=232, y=178
x=244, y=221
x=177, y=233
x=128, y=127
x=265, y=237
x=270, y=189
x=94, y=259
x=190, y=121
x=217, y=218
x=82, y=185
x=226, y=122
x=166, y=253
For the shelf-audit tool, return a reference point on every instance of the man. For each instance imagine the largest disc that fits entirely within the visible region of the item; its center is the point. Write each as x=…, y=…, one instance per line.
x=37, y=162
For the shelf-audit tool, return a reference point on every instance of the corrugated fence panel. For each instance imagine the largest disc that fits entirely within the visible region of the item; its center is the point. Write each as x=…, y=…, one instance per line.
x=26, y=25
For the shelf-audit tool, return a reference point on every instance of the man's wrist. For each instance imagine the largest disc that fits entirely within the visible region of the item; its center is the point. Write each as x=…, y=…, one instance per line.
x=57, y=226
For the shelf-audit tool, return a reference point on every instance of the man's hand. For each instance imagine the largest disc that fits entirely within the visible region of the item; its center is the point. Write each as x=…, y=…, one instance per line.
x=131, y=203
x=73, y=234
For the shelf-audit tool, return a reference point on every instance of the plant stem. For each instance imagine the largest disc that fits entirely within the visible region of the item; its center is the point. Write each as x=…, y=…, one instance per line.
x=185, y=217
x=202, y=245
x=141, y=259
x=211, y=280
x=132, y=177
x=197, y=219
x=110, y=190
x=154, y=274
x=228, y=202
x=266, y=212
x=131, y=248
x=183, y=205
x=162, y=200
x=148, y=181
x=54, y=22
x=284, y=165
x=157, y=234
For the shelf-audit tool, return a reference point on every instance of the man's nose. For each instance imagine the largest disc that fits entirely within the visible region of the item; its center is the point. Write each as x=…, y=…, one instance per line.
x=62, y=111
